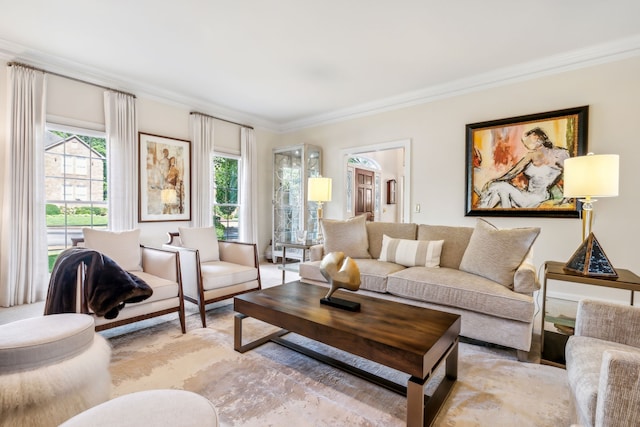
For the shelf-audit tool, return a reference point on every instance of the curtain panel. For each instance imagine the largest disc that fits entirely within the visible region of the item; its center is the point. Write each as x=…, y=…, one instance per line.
x=122, y=160
x=249, y=187
x=202, y=131
x=23, y=250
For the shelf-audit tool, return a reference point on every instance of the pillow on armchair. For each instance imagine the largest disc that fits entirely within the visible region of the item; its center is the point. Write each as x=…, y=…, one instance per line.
x=121, y=246
x=204, y=239
x=496, y=254
x=348, y=236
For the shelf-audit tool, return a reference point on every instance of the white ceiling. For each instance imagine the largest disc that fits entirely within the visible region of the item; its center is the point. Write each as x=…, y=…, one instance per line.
x=285, y=64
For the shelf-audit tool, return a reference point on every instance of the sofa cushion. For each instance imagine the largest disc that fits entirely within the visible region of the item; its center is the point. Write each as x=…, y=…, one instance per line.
x=456, y=288
x=204, y=239
x=348, y=236
x=584, y=360
x=496, y=254
x=411, y=253
x=455, y=239
x=162, y=288
x=397, y=230
x=373, y=273
x=121, y=246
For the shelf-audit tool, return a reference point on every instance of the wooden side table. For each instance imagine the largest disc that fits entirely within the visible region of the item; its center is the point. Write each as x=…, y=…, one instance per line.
x=293, y=245
x=554, y=270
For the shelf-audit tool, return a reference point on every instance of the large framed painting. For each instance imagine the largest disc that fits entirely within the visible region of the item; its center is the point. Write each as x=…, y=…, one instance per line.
x=164, y=178
x=515, y=165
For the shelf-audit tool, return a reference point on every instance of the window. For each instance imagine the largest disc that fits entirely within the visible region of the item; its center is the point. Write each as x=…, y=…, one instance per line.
x=226, y=206
x=75, y=175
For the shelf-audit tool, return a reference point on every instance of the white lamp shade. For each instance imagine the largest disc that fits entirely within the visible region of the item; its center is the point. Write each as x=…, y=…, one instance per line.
x=593, y=175
x=319, y=189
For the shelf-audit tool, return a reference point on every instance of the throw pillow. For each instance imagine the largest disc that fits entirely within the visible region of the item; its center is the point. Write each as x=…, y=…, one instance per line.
x=204, y=239
x=121, y=246
x=411, y=253
x=496, y=254
x=348, y=236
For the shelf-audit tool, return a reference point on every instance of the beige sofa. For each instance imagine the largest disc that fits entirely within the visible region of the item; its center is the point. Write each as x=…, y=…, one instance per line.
x=603, y=364
x=482, y=273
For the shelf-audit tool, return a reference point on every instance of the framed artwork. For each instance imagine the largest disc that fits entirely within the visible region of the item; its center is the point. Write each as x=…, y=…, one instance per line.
x=515, y=165
x=164, y=179
x=391, y=192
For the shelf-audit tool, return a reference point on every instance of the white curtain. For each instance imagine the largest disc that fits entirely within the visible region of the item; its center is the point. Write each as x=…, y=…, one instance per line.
x=249, y=187
x=122, y=159
x=202, y=184
x=23, y=253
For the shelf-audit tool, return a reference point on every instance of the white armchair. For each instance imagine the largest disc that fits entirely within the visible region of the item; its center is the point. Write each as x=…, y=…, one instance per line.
x=214, y=270
x=159, y=268
x=603, y=364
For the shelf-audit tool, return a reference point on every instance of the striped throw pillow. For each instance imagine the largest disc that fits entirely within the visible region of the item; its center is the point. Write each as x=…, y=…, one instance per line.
x=411, y=253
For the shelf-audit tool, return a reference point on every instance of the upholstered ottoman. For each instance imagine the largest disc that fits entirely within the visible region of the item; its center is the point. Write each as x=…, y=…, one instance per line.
x=150, y=408
x=51, y=368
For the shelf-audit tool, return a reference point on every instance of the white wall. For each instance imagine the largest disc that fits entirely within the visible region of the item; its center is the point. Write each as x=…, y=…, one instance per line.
x=437, y=133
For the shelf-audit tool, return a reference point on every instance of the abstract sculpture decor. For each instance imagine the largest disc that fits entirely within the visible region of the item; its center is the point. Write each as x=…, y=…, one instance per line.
x=341, y=272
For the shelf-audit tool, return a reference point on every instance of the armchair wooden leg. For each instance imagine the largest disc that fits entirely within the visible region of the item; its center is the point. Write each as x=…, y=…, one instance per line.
x=203, y=312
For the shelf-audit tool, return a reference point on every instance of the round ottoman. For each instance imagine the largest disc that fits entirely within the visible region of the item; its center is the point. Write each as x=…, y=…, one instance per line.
x=150, y=408
x=51, y=368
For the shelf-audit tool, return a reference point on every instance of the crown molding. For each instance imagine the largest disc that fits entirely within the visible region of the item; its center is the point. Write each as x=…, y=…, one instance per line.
x=573, y=60
x=13, y=52
x=581, y=58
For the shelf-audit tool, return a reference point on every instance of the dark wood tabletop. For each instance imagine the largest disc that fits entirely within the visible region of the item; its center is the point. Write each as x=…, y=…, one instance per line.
x=404, y=337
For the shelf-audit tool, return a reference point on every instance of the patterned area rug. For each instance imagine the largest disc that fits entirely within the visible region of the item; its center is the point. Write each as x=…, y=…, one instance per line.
x=274, y=386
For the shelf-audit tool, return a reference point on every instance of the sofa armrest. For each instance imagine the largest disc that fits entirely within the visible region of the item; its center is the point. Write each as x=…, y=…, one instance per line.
x=609, y=322
x=525, y=279
x=238, y=253
x=316, y=252
x=618, y=399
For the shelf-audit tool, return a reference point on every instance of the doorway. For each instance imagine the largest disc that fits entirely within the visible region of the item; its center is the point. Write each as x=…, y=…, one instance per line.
x=397, y=154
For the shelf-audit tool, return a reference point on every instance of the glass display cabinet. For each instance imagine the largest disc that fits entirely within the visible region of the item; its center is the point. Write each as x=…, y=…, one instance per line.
x=292, y=213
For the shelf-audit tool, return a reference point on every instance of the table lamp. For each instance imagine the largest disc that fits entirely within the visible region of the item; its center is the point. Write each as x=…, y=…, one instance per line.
x=320, y=192
x=586, y=177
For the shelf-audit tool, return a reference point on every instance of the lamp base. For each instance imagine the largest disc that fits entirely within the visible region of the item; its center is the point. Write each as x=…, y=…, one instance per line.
x=590, y=260
x=341, y=303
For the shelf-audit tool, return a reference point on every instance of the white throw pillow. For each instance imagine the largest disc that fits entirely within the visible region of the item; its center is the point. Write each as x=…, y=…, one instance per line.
x=496, y=254
x=121, y=246
x=411, y=253
x=348, y=236
x=204, y=239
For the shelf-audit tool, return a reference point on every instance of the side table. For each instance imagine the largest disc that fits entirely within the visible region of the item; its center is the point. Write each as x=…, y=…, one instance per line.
x=293, y=245
x=554, y=270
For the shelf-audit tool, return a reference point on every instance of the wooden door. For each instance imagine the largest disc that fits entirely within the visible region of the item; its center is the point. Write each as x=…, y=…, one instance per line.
x=365, y=193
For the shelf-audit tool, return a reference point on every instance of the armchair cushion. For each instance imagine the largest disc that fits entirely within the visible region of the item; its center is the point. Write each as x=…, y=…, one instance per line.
x=221, y=274
x=123, y=247
x=496, y=254
x=204, y=239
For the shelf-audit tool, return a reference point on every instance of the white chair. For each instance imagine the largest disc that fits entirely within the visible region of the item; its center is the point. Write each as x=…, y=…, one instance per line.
x=214, y=270
x=159, y=268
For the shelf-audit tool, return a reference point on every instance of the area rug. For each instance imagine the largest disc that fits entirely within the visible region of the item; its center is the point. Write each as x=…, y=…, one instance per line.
x=275, y=386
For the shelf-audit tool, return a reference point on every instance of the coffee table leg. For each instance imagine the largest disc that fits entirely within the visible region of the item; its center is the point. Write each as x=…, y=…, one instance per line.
x=420, y=413
x=237, y=335
x=415, y=402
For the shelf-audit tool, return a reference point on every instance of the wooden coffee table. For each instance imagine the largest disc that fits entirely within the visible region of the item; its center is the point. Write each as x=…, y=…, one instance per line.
x=407, y=338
